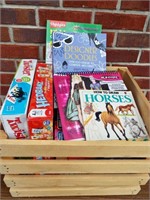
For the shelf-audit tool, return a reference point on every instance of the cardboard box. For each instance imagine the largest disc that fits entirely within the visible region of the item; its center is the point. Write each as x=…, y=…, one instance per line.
x=14, y=109
x=40, y=113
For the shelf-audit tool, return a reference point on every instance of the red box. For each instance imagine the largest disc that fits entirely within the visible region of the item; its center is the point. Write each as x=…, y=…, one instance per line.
x=40, y=112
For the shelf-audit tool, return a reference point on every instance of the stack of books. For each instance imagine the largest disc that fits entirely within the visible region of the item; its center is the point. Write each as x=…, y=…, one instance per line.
x=91, y=103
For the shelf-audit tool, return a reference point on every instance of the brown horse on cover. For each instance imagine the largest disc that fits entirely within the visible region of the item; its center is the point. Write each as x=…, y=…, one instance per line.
x=125, y=109
x=110, y=117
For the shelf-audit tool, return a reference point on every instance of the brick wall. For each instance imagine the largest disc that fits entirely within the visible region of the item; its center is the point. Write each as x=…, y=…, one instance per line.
x=127, y=24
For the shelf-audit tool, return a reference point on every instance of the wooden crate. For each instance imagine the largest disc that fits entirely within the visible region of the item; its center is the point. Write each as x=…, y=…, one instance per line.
x=102, y=167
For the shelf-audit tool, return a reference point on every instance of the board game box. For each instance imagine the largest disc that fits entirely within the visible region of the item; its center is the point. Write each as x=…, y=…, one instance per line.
x=40, y=113
x=15, y=106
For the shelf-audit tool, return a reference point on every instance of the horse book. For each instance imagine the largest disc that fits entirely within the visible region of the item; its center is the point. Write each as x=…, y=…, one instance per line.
x=111, y=115
x=67, y=88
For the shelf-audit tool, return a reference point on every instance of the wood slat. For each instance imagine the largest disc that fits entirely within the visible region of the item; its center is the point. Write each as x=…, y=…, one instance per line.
x=74, y=191
x=3, y=135
x=75, y=180
x=48, y=148
x=17, y=166
x=140, y=99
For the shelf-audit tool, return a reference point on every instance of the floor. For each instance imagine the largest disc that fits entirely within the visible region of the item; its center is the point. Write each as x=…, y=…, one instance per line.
x=144, y=194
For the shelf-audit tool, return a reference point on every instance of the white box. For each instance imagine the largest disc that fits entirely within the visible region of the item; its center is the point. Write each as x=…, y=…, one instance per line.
x=14, y=109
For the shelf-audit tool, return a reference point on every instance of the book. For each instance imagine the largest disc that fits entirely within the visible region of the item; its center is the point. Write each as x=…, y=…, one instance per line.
x=78, y=52
x=40, y=112
x=104, y=80
x=111, y=115
x=67, y=95
x=64, y=26
x=14, y=109
x=58, y=134
x=68, y=110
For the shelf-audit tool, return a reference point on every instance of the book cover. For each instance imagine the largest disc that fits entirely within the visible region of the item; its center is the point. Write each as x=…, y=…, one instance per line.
x=64, y=26
x=78, y=52
x=103, y=80
x=67, y=95
x=69, y=109
x=40, y=112
x=58, y=134
x=111, y=115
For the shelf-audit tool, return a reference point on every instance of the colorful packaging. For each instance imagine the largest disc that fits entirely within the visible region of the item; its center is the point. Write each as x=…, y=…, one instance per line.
x=14, y=109
x=40, y=113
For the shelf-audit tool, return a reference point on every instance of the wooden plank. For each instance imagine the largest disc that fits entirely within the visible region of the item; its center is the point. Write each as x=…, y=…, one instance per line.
x=74, y=191
x=3, y=134
x=75, y=180
x=49, y=148
x=140, y=99
x=17, y=166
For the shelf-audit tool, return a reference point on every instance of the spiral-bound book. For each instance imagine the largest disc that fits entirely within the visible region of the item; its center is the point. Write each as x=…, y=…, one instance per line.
x=111, y=115
x=64, y=26
x=67, y=95
x=78, y=52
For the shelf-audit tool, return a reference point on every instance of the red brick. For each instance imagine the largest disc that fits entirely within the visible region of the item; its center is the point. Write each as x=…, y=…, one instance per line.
x=143, y=83
x=19, y=51
x=145, y=57
x=35, y=2
x=64, y=15
x=120, y=21
x=7, y=66
x=133, y=40
x=4, y=34
x=91, y=4
x=110, y=38
x=142, y=71
x=6, y=78
x=17, y=16
x=29, y=35
x=137, y=70
x=135, y=5
x=148, y=95
x=121, y=55
x=4, y=89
